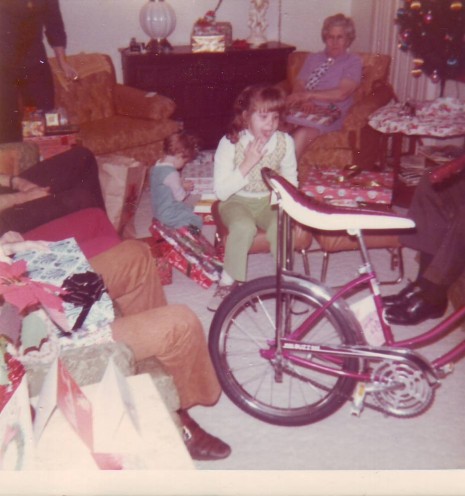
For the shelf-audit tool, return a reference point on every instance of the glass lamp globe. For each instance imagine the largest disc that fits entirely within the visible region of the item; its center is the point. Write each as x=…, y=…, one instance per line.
x=158, y=20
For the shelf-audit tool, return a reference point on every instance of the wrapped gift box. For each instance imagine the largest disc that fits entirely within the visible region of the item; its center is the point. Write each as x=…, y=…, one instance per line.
x=63, y=259
x=191, y=253
x=160, y=250
x=16, y=440
x=337, y=184
x=208, y=43
x=190, y=269
x=53, y=145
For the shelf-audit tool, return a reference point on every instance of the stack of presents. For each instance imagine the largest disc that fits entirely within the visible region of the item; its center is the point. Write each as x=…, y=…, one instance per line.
x=53, y=304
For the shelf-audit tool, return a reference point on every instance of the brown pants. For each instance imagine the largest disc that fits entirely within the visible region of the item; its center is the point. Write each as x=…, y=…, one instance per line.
x=150, y=327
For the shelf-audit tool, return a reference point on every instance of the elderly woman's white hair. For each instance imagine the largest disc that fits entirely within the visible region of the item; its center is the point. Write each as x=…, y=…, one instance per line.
x=339, y=20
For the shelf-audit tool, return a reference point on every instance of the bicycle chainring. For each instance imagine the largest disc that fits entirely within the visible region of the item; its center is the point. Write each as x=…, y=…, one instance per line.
x=401, y=389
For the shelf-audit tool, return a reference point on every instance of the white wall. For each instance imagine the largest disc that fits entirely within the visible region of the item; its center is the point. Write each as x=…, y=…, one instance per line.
x=106, y=25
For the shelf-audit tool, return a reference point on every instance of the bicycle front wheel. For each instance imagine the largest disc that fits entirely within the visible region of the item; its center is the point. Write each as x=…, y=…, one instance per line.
x=241, y=343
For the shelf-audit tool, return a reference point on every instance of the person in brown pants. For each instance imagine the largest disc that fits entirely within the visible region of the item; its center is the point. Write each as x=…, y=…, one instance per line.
x=171, y=333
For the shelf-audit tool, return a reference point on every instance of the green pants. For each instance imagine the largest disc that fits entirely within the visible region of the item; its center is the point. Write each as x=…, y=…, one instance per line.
x=243, y=216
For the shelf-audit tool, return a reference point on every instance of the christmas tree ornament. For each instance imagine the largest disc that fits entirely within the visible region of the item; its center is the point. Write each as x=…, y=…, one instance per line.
x=418, y=62
x=406, y=35
x=455, y=6
x=435, y=77
x=415, y=5
x=416, y=72
x=428, y=17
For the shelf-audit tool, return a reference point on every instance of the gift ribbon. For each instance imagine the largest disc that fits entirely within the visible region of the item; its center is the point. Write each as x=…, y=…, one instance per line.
x=350, y=171
x=83, y=290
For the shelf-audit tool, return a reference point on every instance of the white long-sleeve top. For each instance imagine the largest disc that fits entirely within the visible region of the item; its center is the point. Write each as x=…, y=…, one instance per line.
x=228, y=179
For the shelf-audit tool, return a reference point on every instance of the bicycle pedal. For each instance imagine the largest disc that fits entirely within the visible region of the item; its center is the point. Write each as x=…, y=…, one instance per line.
x=447, y=369
x=358, y=399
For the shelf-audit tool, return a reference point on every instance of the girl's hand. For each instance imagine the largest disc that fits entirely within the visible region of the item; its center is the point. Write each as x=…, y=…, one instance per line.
x=254, y=152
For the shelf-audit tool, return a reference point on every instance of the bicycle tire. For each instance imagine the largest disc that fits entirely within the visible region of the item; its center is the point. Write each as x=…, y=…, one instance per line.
x=244, y=324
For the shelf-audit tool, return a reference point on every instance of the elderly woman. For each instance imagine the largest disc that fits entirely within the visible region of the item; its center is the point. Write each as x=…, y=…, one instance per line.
x=323, y=91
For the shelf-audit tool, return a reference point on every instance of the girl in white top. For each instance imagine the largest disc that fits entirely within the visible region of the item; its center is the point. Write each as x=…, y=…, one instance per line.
x=253, y=142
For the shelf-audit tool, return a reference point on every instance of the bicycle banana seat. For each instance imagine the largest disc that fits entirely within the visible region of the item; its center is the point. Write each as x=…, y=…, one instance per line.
x=312, y=213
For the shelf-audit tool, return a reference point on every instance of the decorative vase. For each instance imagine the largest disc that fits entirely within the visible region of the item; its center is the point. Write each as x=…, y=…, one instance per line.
x=257, y=22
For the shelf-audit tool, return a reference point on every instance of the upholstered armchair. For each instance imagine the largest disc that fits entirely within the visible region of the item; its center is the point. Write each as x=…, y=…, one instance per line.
x=113, y=118
x=347, y=146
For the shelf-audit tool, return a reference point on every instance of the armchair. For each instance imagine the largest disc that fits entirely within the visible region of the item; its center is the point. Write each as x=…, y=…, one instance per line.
x=348, y=145
x=113, y=118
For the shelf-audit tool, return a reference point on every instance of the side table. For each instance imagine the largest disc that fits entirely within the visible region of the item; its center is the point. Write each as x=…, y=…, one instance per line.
x=50, y=145
x=440, y=118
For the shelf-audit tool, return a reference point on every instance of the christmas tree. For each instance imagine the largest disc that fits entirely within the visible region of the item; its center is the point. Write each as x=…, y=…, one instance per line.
x=434, y=32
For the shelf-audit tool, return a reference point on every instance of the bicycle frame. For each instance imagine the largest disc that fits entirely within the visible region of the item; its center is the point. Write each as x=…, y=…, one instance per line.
x=368, y=277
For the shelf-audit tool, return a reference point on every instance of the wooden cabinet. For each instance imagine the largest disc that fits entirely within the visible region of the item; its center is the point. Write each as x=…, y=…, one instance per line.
x=205, y=85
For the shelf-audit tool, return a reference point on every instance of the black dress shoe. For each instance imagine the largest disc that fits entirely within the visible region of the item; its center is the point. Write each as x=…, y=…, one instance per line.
x=415, y=310
x=200, y=444
x=402, y=297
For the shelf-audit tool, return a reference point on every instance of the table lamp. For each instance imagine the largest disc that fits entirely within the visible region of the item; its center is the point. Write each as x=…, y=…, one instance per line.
x=158, y=20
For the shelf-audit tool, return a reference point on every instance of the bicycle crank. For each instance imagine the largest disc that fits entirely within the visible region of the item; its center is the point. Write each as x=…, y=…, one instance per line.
x=401, y=389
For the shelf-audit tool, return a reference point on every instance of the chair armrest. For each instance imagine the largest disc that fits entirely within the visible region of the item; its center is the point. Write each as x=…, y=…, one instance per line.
x=358, y=116
x=145, y=105
x=17, y=157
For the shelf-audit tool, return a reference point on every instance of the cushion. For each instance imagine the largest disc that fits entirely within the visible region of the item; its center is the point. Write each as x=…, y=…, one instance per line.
x=133, y=102
x=120, y=132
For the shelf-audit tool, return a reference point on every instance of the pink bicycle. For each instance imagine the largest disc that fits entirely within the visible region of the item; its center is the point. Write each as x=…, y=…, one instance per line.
x=289, y=350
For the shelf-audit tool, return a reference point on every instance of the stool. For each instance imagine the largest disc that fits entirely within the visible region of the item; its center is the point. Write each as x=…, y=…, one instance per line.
x=302, y=238
x=336, y=242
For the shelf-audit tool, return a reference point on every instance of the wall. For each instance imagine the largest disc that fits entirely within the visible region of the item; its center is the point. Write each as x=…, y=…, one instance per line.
x=106, y=25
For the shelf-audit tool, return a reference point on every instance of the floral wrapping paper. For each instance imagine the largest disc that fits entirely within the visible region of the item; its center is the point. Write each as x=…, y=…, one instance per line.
x=332, y=185
x=64, y=258
x=443, y=117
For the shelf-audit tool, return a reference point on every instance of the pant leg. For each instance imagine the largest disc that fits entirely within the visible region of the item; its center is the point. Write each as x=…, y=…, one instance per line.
x=10, y=117
x=448, y=263
x=267, y=219
x=131, y=277
x=174, y=335
x=72, y=177
x=90, y=227
x=433, y=209
x=36, y=86
x=74, y=169
x=238, y=218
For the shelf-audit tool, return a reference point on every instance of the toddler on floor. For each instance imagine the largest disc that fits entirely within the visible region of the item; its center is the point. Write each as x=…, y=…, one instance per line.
x=168, y=191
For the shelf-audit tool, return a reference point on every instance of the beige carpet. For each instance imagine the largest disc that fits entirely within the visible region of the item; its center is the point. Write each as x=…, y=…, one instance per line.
x=432, y=441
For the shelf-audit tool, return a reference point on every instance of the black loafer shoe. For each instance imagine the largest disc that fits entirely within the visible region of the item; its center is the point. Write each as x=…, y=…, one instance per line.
x=200, y=444
x=414, y=311
x=402, y=297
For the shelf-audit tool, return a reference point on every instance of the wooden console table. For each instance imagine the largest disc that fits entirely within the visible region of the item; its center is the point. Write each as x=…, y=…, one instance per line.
x=205, y=85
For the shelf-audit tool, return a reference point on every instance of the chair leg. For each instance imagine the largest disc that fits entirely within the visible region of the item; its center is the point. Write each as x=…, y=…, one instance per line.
x=397, y=262
x=305, y=261
x=324, y=266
